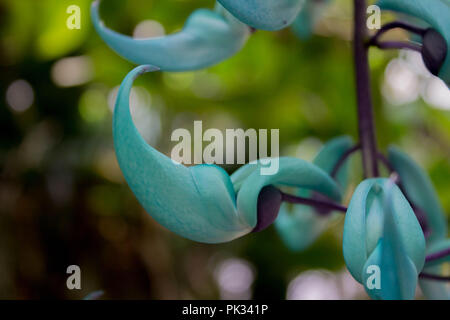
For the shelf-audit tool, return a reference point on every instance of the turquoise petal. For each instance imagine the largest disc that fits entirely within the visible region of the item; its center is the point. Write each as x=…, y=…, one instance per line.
x=264, y=14
x=306, y=19
x=419, y=189
x=432, y=289
x=292, y=172
x=434, y=12
x=329, y=156
x=301, y=228
x=438, y=246
x=95, y=295
x=398, y=272
x=299, y=225
x=381, y=229
x=207, y=38
x=238, y=177
x=197, y=203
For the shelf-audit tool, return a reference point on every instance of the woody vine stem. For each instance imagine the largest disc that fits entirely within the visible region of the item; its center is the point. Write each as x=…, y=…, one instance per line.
x=366, y=124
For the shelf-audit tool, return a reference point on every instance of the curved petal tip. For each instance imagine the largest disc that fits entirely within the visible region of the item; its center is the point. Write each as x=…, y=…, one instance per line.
x=207, y=38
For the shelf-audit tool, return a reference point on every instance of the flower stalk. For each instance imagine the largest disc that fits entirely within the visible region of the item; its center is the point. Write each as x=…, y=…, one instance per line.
x=438, y=255
x=363, y=92
x=316, y=203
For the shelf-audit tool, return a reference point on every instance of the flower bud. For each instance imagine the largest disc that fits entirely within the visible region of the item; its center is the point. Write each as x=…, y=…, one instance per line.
x=434, y=50
x=269, y=202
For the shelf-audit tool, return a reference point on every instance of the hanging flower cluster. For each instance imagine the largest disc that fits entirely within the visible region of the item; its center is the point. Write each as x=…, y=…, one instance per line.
x=395, y=224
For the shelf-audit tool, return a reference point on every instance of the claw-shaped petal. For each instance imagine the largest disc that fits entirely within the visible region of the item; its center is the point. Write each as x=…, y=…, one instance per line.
x=197, y=203
x=201, y=203
x=264, y=14
x=300, y=225
x=381, y=231
x=419, y=190
x=435, y=13
x=292, y=172
x=207, y=38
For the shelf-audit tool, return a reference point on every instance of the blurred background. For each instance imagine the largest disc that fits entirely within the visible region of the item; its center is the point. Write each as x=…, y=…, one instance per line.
x=64, y=201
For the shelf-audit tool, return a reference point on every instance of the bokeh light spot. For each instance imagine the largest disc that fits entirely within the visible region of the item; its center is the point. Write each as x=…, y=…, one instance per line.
x=19, y=95
x=93, y=105
x=234, y=277
x=72, y=71
x=148, y=29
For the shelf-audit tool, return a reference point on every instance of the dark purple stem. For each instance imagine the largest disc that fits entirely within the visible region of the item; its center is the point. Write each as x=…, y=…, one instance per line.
x=394, y=25
x=319, y=204
x=434, y=277
x=364, y=96
x=399, y=45
x=343, y=158
x=437, y=255
x=385, y=162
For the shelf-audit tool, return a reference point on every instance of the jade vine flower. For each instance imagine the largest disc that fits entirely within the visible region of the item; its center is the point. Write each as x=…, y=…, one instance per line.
x=422, y=195
x=264, y=14
x=420, y=192
x=207, y=38
x=300, y=225
x=431, y=288
x=382, y=230
x=201, y=203
x=436, y=42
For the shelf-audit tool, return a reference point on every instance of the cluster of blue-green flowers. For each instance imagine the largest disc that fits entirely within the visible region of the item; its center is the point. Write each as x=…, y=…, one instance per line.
x=203, y=203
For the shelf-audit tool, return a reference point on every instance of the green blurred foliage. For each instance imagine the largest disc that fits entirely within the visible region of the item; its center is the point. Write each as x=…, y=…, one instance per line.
x=64, y=201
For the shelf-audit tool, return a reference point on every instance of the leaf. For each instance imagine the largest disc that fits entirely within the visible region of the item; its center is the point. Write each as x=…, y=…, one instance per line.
x=419, y=189
x=264, y=14
x=301, y=226
x=200, y=202
x=207, y=38
x=434, y=12
x=381, y=229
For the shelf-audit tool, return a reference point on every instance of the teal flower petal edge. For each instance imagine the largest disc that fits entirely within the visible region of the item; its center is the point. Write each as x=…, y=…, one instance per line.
x=207, y=38
x=438, y=246
x=381, y=230
x=303, y=24
x=432, y=289
x=434, y=12
x=420, y=191
x=197, y=203
x=299, y=225
x=292, y=172
x=264, y=14
x=329, y=156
